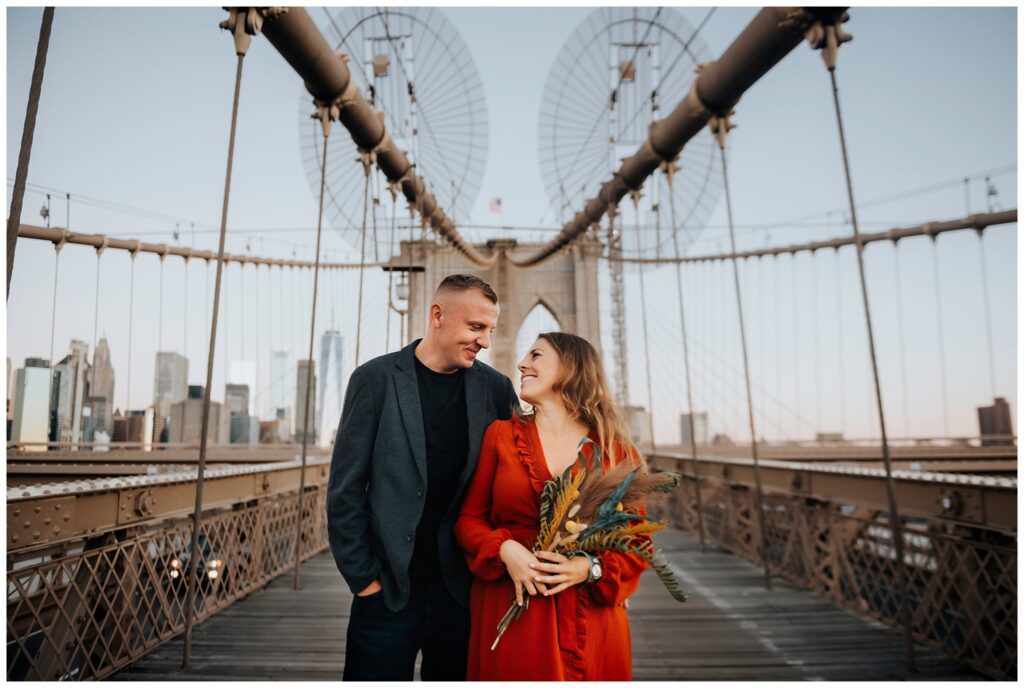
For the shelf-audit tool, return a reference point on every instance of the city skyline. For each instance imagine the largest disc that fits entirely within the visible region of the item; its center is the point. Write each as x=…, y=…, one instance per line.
x=784, y=159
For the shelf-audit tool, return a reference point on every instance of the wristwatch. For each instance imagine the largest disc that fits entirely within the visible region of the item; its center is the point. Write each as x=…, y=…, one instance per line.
x=595, y=571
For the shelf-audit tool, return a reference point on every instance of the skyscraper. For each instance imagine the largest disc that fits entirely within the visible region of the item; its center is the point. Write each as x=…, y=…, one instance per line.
x=71, y=393
x=101, y=388
x=30, y=422
x=170, y=381
x=244, y=373
x=700, y=428
x=300, y=403
x=332, y=380
x=995, y=423
x=236, y=398
x=279, y=382
x=187, y=421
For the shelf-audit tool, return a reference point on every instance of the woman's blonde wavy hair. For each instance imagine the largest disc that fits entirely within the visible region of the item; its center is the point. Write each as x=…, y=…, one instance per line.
x=584, y=393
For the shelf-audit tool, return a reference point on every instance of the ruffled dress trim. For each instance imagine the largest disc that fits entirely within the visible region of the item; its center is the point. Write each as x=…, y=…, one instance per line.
x=526, y=449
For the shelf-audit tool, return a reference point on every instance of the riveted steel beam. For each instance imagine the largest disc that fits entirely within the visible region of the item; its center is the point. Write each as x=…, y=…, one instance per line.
x=330, y=82
x=769, y=37
x=45, y=514
x=971, y=500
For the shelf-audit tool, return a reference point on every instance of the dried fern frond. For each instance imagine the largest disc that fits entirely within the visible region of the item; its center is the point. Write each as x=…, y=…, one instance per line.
x=547, y=498
x=567, y=490
x=641, y=528
x=668, y=578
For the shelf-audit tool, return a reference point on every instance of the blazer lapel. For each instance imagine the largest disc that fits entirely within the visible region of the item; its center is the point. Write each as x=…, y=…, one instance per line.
x=476, y=411
x=408, y=393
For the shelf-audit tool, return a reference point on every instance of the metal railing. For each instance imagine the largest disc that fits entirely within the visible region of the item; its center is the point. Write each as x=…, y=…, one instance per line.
x=86, y=614
x=962, y=578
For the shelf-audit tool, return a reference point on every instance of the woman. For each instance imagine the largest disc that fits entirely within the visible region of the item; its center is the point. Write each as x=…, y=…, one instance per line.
x=575, y=627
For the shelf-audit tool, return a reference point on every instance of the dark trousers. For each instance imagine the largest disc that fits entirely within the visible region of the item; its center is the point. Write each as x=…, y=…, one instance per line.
x=381, y=645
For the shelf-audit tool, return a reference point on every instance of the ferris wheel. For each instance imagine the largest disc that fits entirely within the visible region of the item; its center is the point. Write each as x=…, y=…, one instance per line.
x=411, y=64
x=620, y=70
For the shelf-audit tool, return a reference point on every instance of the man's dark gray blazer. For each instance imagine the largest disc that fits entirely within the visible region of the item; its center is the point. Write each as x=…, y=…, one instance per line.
x=378, y=481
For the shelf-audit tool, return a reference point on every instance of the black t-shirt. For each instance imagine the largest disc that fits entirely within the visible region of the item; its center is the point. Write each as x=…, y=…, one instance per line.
x=446, y=428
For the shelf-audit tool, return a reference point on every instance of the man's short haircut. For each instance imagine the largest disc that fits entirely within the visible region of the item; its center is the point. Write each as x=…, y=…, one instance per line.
x=464, y=282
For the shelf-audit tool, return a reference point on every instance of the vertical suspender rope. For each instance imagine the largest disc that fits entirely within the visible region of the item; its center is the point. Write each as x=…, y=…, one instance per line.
x=903, y=341
x=367, y=163
x=760, y=333
x=24, y=153
x=941, y=330
x=241, y=315
x=391, y=252
x=53, y=325
x=817, y=343
x=988, y=313
x=306, y=415
x=53, y=308
x=238, y=25
x=796, y=348
x=160, y=309
x=184, y=337
x=842, y=357
x=778, y=350
x=831, y=37
x=720, y=125
x=643, y=318
x=257, y=392
x=96, y=305
x=670, y=172
x=131, y=314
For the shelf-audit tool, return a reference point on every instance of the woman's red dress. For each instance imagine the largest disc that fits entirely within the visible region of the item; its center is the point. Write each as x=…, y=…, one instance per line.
x=580, y=634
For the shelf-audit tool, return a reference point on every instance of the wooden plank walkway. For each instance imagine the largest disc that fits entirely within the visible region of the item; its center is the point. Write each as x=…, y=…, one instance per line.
x=731, y=629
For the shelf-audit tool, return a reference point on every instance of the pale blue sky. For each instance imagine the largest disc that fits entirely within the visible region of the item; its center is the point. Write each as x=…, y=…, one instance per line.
x=135, y=111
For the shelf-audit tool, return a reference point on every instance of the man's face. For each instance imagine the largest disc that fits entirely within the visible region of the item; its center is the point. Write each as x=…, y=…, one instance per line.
x=464, y=321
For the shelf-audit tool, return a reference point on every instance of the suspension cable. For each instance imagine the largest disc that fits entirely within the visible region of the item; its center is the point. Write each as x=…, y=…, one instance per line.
x=817, y=342
x=903, y=342
x=778, y=350
x=842, y=356
x=796, y=335
x=941, y=335
x=96, y=308
x=829, y=37
x=256, y=336
x=643, y=317
x=160, y=309
x=391, y=252
x=306, y=415
x=670, y=171
x=243, y=23
x=131, y=315
x=184, y=337
x=362, y=254
x=27, y=134
x=53, y=308
x=988, y=313
x=720, y=126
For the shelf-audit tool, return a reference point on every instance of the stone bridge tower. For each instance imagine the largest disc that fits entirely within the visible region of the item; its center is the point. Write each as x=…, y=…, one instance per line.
x=565, y=284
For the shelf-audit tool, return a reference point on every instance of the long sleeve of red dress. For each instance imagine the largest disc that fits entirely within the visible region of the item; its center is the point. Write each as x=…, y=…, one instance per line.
x=473, y=530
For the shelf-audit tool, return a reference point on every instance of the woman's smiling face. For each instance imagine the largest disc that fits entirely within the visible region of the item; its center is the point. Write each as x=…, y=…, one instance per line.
x=539, y=371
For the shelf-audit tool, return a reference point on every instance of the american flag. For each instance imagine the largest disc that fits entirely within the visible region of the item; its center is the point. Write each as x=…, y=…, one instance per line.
x=495, y=205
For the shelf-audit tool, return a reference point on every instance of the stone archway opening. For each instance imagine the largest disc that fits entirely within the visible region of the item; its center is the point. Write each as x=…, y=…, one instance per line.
x=539, y=319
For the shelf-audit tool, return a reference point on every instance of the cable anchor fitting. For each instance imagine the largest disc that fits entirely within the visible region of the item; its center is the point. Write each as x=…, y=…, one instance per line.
x=721, y=125
x=827, y=37
x=669, y=169
x=246, y=22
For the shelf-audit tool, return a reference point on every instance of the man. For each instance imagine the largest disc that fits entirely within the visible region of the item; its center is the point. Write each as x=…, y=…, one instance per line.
x=406, y=447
